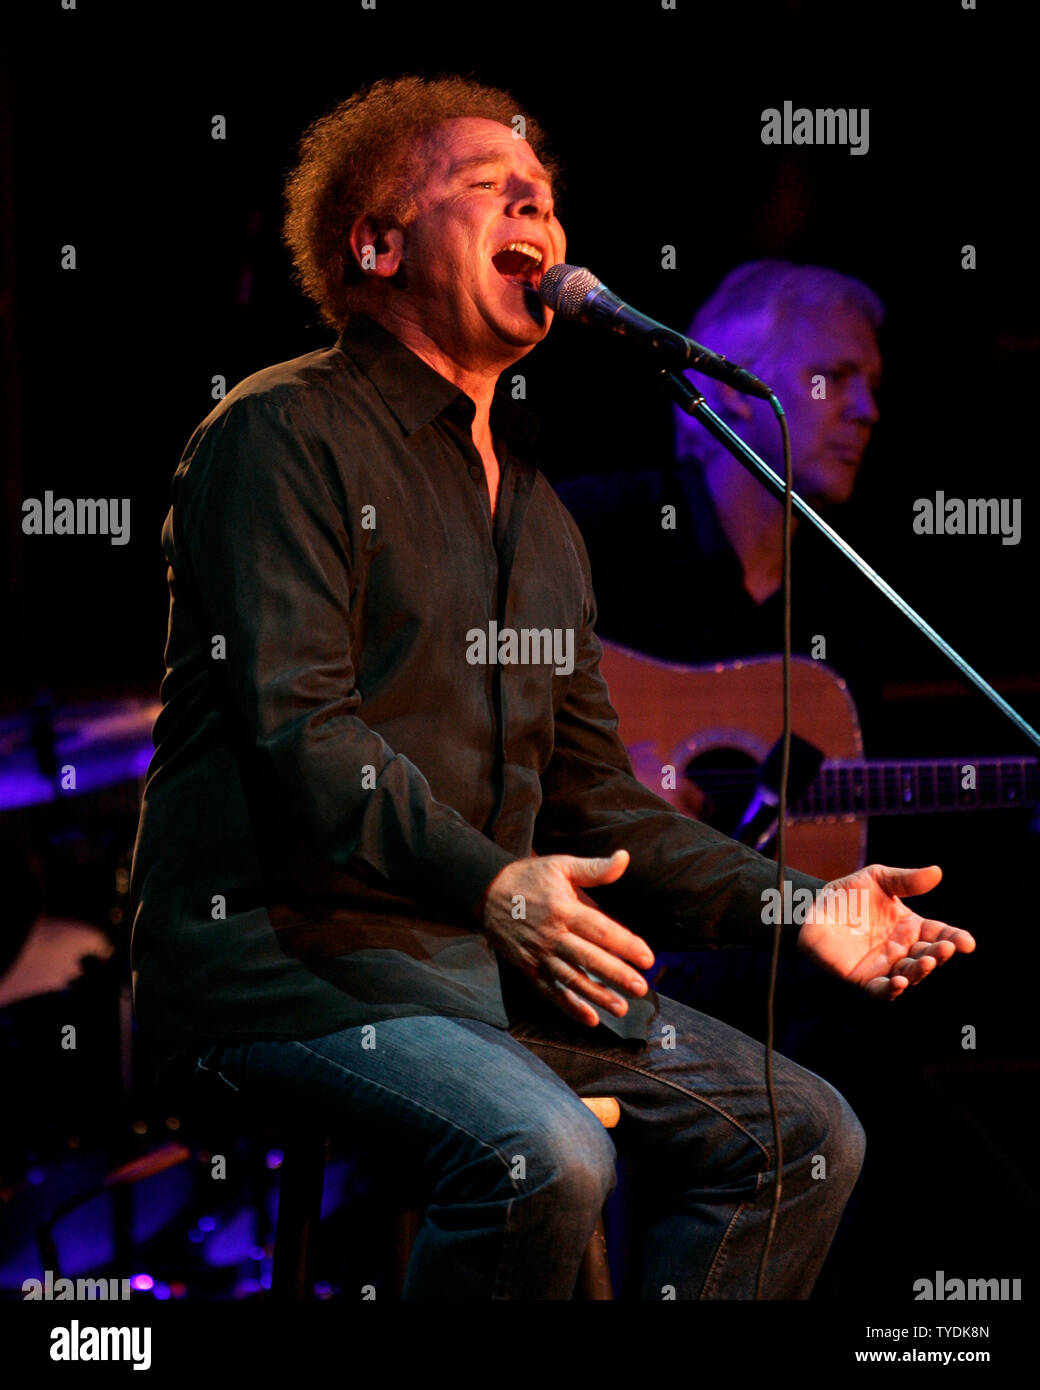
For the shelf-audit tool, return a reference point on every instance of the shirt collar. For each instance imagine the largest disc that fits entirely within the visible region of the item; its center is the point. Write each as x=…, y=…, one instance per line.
x=414, y=393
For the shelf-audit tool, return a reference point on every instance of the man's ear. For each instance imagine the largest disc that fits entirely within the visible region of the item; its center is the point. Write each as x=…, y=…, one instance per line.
x=378, y=252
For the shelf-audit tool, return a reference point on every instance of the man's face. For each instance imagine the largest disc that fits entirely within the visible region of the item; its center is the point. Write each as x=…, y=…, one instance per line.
x=828, y=435
x=484, y=190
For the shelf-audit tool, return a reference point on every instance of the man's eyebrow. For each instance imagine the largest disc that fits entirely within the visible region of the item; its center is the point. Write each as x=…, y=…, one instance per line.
x=847, y=364
x=492, y=157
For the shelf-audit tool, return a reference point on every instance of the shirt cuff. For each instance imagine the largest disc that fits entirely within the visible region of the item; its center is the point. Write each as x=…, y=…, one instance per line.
x=739, y=928
x=459, y=867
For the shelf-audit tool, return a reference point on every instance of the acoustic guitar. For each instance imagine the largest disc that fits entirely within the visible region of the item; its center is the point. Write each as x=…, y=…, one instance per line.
x=716, y=726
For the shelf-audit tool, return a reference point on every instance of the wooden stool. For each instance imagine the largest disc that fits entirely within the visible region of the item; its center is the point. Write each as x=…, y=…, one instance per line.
x=299, y=1216
x=594, y=1275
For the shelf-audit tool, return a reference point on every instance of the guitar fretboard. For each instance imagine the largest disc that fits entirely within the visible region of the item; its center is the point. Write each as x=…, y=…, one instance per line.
x=885, y=788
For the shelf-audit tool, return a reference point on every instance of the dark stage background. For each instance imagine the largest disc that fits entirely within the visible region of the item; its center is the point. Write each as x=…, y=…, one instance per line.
x=656, y=115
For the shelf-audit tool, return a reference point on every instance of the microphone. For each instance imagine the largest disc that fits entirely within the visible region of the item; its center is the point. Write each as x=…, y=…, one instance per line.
x=574, y=293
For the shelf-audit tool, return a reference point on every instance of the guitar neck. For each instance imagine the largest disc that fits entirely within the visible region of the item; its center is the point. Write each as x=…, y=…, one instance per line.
x=921, y=785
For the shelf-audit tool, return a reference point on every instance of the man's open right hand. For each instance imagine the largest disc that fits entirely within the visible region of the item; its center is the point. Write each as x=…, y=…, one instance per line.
x=540, y=921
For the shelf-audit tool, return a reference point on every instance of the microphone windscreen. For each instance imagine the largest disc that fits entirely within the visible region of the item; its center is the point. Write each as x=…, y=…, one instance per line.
x=564, y=287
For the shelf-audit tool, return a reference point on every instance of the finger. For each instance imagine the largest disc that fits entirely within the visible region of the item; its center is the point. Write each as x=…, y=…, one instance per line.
x=602, y=931
x=604, y=964
x=881, y=987
x=916, y=970
x=576, y=976
x=939, y=951
x=591, y=871
x=932, y=930
x=906, y=883
x=566, y=1000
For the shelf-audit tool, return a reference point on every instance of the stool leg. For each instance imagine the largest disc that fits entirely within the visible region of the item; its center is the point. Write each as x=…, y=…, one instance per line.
x=299, y=1215
x=407, y=1221
x=593, y=1282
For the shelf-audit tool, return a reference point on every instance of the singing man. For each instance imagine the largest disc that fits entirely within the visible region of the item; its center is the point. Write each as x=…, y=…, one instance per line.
x=413, y=894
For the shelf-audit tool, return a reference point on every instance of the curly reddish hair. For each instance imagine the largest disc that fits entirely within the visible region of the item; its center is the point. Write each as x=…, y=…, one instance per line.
x=365, y=157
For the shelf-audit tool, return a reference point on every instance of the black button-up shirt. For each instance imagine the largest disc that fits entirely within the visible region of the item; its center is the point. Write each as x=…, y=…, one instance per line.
x=338, y=776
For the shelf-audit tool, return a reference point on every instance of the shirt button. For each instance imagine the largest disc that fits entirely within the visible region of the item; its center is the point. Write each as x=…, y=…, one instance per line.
x=476, y=473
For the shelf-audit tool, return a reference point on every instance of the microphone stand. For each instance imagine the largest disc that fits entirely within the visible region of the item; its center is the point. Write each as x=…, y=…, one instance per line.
x=689, y=399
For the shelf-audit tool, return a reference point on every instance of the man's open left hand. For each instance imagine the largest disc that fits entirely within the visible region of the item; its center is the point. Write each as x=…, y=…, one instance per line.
x=887, y=947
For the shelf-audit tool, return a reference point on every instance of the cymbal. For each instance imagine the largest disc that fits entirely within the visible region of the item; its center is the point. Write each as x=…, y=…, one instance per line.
x=53, y=753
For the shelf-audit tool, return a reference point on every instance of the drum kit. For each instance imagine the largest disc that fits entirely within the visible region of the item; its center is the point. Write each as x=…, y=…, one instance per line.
x=70, y=783
x=95, y=1178
x=71, y=777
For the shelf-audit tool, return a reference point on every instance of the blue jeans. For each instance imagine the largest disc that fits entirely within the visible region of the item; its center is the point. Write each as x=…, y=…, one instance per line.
x=517, y=1169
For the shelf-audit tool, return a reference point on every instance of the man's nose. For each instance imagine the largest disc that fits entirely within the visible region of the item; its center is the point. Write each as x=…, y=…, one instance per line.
x=863, y=405
x=532, y=200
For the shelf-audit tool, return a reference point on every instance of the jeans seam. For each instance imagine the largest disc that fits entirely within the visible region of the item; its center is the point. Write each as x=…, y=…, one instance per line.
x=684, y=1090
x=409, y=1100
x=711, y=1276
x=664, y=1081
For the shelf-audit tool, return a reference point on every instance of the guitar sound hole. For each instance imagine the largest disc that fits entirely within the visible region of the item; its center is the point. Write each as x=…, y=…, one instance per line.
x=726, y=778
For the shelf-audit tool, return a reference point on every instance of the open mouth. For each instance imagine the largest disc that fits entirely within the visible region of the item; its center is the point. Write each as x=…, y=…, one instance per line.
x=520, y=263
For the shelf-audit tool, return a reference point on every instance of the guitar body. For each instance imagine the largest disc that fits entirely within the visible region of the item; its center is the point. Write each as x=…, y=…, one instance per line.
x=708, y=719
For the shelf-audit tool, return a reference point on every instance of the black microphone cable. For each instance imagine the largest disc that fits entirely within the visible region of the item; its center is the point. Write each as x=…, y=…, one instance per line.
x=574, y=292
x=781, y=835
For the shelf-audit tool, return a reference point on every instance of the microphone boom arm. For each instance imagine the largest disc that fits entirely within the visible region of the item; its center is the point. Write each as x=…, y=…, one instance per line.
x=689, y=399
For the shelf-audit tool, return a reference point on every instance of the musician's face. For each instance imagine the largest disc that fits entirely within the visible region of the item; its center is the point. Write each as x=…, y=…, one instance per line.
x=484, y=191
x=826, y=369
x=825, y=366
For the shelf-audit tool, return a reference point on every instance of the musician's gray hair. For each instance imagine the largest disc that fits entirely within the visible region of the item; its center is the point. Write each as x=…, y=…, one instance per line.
x=742, y=316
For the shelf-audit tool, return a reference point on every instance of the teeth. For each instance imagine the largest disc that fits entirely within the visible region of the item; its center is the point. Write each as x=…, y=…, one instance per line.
x=525, y=248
